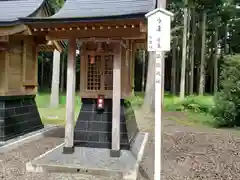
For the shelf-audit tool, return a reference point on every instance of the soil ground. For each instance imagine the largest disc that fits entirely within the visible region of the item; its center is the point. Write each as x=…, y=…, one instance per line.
x=189, y=153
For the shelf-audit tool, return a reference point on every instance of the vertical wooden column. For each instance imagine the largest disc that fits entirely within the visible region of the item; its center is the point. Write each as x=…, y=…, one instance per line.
x=55, y=79
x=71, y=81
x=115, y=151
x=6, y=72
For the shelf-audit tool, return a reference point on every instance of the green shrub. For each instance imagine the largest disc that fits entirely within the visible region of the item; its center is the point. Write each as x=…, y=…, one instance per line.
x=227, y=100
x=136, y=101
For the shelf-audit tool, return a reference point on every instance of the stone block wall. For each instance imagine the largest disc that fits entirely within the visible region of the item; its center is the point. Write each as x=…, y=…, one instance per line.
x=18, y=115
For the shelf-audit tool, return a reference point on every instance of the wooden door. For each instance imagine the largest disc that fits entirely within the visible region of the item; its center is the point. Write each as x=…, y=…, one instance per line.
x=100, y=73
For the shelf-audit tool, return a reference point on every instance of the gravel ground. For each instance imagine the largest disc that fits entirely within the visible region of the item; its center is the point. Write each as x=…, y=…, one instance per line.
x=192, y=152
x=189, y=153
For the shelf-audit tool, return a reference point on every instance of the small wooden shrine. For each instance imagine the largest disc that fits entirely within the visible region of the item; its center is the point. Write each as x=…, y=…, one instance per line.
x=107, y=33
x=18, y=67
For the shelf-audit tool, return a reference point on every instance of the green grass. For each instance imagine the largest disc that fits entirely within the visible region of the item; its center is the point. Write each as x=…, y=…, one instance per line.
x=54, y=115
x=196, y=108
x=174, y=103
x=192, y=103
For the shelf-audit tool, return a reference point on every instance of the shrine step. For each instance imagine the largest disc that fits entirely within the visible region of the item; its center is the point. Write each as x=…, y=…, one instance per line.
x=94, y=129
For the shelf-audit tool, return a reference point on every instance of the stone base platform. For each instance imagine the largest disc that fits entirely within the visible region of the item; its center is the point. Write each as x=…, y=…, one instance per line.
x=26, y=138
x=94, y=161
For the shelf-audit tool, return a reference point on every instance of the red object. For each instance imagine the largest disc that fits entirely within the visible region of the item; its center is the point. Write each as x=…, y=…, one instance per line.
x=100, y=102
x=92, y=60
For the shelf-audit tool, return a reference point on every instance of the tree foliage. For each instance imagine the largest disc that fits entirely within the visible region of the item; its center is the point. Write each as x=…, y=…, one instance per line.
x=56, y=4
x=227, y=100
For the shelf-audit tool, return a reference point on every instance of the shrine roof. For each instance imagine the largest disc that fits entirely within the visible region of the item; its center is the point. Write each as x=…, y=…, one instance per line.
x=85, y=10
x=12, y=10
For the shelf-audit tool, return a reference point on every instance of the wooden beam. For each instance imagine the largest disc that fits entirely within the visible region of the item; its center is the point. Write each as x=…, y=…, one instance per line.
x=10, y=30
x=103, y=24
x=58, y=47
x=70, y=114
x=109, y=40
x=115, y=151
x=113, y=34
x=4, y=39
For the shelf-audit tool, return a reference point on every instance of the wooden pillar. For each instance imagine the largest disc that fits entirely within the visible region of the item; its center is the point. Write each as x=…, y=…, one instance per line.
x=115, y=151
x=71, y=84
x=55, y=79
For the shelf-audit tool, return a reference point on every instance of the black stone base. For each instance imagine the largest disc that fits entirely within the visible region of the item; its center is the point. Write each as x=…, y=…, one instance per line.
x=94, y=129
x=18, y=116
x=68, y=150
x=114, y=153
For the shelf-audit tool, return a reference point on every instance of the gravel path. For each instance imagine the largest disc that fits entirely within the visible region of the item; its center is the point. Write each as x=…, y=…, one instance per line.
x=189, y=153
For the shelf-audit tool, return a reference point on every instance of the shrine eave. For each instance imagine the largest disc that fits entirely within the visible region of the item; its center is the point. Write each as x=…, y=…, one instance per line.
x=46, y=20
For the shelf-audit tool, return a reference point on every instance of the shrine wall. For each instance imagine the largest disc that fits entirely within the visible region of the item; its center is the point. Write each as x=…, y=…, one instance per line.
x=14, y=67
x=2, y=72
x=18, y=69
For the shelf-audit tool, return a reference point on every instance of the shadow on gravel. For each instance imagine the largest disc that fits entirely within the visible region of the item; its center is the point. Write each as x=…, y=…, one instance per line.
x=57, y=133
x=143, y=173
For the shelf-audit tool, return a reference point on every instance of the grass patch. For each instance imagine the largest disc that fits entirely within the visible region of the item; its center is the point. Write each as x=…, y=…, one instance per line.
x=55, y=115
x=201, y=118
x=190, y=103
x=194, y=118
x=196, y=108
x=43, y=100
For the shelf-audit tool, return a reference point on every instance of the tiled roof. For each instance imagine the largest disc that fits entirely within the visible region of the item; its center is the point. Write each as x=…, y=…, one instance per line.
x=81, y=10
x=103, y=8
x=11, y=10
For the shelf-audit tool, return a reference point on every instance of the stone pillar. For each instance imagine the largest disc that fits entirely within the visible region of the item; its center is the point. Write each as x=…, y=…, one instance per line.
x=70, y=100
x=115, y=150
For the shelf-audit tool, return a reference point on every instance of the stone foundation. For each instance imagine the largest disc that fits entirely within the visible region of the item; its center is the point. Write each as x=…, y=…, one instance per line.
x=18, y=115
x=94, y=129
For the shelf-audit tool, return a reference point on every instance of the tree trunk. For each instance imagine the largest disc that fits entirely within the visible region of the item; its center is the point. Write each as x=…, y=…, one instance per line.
x=202, y=65
x=192, y=53
x=184, y=44
x=179, y=65
x=225, y=39
x=55, y=79
x=149, y=99
x=173, y=69
x=187, y=52
x=215, y=60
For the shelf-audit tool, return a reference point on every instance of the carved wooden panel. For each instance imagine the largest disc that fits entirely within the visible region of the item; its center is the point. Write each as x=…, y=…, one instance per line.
x=93, y=73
